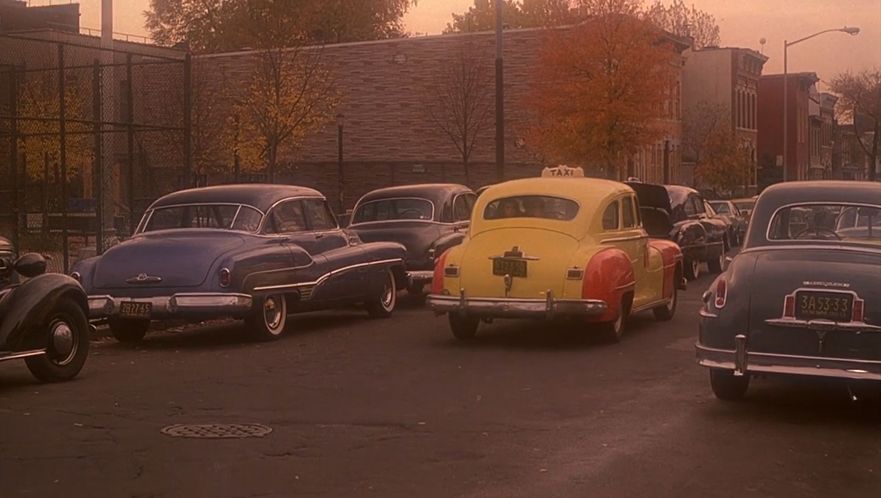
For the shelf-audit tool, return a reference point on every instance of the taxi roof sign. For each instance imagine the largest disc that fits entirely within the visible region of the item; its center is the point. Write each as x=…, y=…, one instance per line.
x=563, y=171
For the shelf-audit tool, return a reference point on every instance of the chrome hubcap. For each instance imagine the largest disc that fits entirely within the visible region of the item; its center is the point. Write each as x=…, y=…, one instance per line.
x=272, y=313
x=388, y=294
x=63, y=343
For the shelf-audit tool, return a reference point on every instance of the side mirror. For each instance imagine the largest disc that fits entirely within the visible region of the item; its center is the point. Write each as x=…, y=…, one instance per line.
x=30, y=265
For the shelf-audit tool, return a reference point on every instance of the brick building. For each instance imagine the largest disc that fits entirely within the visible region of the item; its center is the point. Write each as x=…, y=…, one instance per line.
x=16, y=15
x=725, y=78
x=387, y=135
x=770, y=126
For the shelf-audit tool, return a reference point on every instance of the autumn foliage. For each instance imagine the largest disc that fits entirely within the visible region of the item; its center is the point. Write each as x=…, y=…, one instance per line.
x=600, y=90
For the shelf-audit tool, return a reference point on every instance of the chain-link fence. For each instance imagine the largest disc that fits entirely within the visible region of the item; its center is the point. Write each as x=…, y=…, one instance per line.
x=88, y=138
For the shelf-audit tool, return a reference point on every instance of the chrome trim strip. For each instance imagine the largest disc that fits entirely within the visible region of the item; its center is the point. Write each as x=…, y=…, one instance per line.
x=421, y=275
x=21, y=354
x=836, y=246
x=820, y=324
x=624, y=239
x=706, y=314
x=756, y=362
x=328, y=275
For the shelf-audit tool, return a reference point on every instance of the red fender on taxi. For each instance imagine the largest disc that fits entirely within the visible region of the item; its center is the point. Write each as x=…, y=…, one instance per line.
x=608, y=276
x=671, y=257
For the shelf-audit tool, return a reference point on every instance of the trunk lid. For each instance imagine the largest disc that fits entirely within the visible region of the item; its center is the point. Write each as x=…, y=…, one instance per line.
x=545, y=253
x=826, y=275
x=170, y=259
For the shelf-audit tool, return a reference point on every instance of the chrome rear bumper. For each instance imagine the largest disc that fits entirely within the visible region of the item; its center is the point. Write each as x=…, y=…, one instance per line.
x=742, y=361
x=182, y=305
x=515, y=308
x=420, y=276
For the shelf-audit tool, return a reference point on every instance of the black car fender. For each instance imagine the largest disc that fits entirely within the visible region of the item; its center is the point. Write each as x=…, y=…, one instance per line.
x=719, y=325
x=28, y=305
x=447, y=241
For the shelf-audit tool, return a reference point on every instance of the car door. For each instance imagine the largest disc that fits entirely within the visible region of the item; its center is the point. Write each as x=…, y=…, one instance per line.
x=286, y=222
x=713, y=224
x=634, y=241
x=331, y=243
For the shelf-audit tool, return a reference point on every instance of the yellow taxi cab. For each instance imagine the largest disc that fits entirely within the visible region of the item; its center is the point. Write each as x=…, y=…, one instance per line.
x=558, y=246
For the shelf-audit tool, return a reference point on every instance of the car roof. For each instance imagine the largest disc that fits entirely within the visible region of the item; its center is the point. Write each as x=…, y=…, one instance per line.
x=435, y=192
x=259, y=195
x=822, y=191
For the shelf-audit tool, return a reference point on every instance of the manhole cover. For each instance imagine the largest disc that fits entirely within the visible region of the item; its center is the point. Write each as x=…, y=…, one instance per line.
x=216, y=431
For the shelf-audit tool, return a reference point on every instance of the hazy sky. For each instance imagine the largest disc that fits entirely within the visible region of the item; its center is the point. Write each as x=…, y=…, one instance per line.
x=742, y=22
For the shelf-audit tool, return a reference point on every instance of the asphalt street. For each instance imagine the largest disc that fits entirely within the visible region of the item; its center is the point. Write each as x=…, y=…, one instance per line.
x=397, y=407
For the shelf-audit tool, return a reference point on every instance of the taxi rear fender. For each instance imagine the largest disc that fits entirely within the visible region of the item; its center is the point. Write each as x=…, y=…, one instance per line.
x=608, y=276
x=671, y=261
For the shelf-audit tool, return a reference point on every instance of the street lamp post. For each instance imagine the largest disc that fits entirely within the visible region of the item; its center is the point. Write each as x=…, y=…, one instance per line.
x=339, y=141
x=786, y=45
x=500, y=97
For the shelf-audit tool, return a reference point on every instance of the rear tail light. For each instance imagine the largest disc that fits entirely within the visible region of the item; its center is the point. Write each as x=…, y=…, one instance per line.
x=721, y=293
x=225, y=277
x=437, y=281
x=789, y=307
x=857, y=314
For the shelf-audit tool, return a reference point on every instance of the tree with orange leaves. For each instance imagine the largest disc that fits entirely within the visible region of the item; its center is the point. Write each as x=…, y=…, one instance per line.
x=601, y=88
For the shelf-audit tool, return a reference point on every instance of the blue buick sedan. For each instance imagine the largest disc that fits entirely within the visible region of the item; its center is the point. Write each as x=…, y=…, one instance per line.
x=252, y=252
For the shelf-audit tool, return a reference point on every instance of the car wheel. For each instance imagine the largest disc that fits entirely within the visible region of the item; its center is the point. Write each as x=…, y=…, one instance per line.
x=726, y=386
x=267, y=321
x=614, y=330
x=127, y=330
x=383, y=304
x=692, y=269
x=464, y=328
x=665, y=312
x=68, y=335
x=716, y=264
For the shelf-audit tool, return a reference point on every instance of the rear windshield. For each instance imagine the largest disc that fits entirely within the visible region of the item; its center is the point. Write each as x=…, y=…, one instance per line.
x=531, y=206
x=748, y=205
x=217, y=216
x=394, y=209
x=827, y=222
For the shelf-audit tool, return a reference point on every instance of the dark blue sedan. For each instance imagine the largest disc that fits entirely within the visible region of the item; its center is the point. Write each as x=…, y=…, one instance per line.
x=257, y=252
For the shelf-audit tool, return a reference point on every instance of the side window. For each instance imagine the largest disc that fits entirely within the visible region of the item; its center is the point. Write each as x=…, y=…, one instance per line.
x=286, y=218
x=627, y=213
x=462, y=208
x=318, y=215
x=690, y=209
x=610, y=217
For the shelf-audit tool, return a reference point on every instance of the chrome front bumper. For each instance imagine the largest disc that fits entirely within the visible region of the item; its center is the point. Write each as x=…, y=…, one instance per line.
x=182, y=304
x=742, y=361
x=515, y=308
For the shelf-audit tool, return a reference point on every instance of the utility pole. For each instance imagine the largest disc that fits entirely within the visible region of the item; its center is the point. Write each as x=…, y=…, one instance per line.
x=500, y=97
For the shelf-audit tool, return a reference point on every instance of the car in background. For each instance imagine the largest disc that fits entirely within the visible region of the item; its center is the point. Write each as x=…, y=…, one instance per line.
x=728, y=211
x=564, y=247
x=427, y=219
x=745, y=206
x=803, y=297
x=43, y=317
x=254, y=252
x=680, y=214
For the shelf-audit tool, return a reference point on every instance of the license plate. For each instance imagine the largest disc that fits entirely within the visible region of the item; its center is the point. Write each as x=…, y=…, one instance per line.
x=826, y=305
x=513, y=267
x=135, y=310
